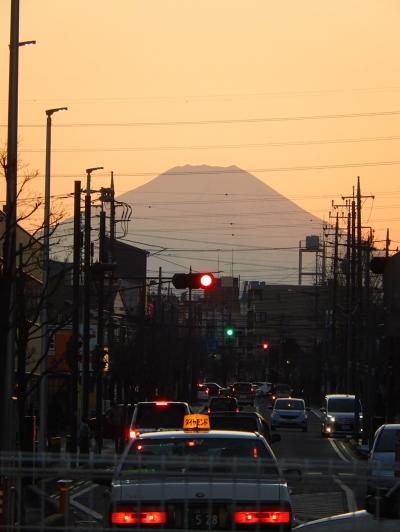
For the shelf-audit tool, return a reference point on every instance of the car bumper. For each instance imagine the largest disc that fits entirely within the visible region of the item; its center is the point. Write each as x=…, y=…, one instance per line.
x=295, y=423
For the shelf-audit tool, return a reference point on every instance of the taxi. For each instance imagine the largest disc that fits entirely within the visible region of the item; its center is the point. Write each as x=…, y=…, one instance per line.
x=199, y=479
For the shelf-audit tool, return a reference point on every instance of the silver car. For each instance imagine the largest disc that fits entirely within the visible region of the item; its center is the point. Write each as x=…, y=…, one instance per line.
x=290, y=413
x=384, y=458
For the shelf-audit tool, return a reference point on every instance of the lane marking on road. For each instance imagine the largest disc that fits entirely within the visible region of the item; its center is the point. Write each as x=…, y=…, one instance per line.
x=349, y=493
x=338, y=451
x=346, y=451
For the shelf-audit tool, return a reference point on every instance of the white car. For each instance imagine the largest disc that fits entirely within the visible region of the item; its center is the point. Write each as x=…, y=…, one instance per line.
x=291, y=413
x=338, y=415
x=200, y=479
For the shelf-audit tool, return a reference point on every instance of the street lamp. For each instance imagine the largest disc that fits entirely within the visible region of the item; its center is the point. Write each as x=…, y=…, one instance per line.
x=44, y=310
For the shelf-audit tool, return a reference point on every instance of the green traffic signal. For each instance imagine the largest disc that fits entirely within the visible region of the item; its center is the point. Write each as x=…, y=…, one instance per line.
x=229, y=331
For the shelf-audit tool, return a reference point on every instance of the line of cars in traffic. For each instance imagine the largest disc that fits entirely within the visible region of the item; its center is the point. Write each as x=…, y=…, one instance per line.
x=222, y=474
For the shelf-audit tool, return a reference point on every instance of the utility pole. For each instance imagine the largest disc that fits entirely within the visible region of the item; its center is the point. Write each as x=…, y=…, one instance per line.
x=75, y=343
x=334, y=288
x=86, y=297
x=111, y=258
x=9, y=348
x=387, y=246
x=348, y=302
x=100, y=333
x=357, y=299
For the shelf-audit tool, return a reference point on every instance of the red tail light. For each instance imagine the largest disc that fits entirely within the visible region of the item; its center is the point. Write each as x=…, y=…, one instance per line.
x=161, y=403
x=209, y=410
x=133, y=434
x=270, y=517
x=126, y=517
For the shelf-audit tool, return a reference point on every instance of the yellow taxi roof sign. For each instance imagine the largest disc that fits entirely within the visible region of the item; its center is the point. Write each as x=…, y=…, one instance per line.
x=195, y=422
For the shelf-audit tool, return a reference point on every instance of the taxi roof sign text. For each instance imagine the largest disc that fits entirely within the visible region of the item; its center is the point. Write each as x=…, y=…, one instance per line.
x=196, y=422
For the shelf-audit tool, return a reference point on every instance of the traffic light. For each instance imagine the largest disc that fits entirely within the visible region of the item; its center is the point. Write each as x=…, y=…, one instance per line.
x=264, y=346
x=229, y=331
x=205, y=280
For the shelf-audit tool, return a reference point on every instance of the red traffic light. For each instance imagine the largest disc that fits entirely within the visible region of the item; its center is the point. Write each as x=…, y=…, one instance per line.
x=205, y=281
x=265, y=346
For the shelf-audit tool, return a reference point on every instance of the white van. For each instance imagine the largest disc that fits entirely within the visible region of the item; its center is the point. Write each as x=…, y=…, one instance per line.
x=338, y=413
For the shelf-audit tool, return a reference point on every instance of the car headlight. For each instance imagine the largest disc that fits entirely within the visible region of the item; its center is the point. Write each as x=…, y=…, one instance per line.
x=331, y=418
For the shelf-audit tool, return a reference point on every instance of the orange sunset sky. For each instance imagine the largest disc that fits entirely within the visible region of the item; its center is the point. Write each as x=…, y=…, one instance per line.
x=303, y=94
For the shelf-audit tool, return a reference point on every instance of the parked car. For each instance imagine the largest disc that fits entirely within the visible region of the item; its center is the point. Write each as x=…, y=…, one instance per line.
x=291, y=413
x=338, y=415
x=243, y=421
x=222, y=404
x=384, y=458
x=157, y=415
x=244, y=392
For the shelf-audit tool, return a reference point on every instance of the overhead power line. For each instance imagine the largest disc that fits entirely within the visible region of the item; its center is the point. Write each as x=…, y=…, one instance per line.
x=217, y=146
x=235, y=170
x=215, y=122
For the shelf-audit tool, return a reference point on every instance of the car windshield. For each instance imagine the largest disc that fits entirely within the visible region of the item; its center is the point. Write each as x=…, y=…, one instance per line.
x=289, y=405
x=341, y=405
x=197, y=454
x=234, y=423
x=387, y=441
x=168, y=416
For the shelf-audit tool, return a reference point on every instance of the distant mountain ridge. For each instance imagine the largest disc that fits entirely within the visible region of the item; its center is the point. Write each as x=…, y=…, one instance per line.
x=218, y=219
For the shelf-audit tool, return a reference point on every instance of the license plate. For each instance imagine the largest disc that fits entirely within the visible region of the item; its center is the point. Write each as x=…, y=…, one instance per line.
x=199, y=519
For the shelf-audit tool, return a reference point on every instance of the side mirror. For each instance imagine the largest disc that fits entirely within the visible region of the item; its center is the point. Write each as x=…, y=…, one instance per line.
x=275, y=438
